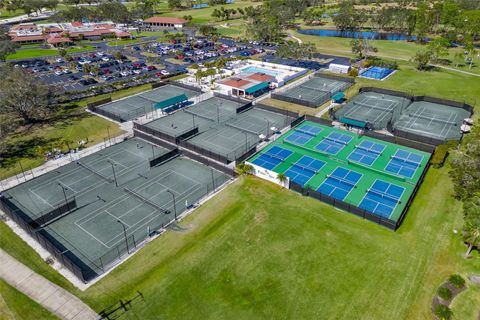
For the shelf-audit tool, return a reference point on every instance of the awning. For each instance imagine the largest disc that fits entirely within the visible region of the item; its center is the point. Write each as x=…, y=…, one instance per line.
x=257, y=87
x=170, y=102
x=353, y=122
x=339, y=96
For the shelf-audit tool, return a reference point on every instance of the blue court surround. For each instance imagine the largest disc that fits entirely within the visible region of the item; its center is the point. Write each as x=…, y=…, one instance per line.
x=272, y=157
x=333, y=143
x=382, y=198
x=366, y=152
x=304, y=169
x=339, y=183
x=404, y=163
x=310, y=130
x=299, y=138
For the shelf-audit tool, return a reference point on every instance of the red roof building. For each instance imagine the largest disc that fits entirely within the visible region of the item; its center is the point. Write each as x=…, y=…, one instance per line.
x=165, y=22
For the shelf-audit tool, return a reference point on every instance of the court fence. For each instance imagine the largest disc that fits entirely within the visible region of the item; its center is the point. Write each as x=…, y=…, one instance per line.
x=158, y=84
x=140, y=127
x=78, y=263
x=286, y=112
x=185, y=86
x=99, y=102
x=302, y=102
x=153, y=139
x=234, y=99
x=54, y=214
x=403, y=141
x=163, y=158
x=220, y=167
x=335, y=77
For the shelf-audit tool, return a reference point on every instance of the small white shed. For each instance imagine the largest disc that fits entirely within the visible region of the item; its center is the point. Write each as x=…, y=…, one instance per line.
x=338, y=68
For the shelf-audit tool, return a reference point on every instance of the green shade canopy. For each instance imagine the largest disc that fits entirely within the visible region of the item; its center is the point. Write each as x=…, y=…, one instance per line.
x=339, y=96
x=353, y=122
x=257, y=87
x=171, y=101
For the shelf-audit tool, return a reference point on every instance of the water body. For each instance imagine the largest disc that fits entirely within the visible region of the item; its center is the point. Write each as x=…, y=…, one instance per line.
x=357, y=34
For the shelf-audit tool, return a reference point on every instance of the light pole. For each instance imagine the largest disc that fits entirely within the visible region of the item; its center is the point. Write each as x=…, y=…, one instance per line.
x=268, y=127
x=125, y=234
x=174, y=204
x=113, y=169
x=64, y=196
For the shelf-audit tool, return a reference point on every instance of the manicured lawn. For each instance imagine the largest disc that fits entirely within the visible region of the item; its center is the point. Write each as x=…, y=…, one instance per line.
x=257, y=251
x=72, y=127
x=394, y=50
x=123, y=42
x=17, y=306
x=205, y=15
x=35, y=53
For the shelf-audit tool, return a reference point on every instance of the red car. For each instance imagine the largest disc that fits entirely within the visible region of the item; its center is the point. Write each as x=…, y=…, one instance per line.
x=150, y=68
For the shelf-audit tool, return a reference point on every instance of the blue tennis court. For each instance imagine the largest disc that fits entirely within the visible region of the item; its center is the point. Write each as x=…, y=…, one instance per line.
x=366, y=152
x=404, y=163
x=299, y=138
x=382, y=198
x=339, y=183
x=272, y=157
x=310, y=130
x=333, y=143
x=304, y=169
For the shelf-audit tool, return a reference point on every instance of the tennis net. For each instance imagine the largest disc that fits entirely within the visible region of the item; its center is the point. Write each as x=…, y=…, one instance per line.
x=384, y=195
x=146, y=200
x=432, y=118
x=375, y=107
x=305, y=168
x=306, y=132
x=368, y=149
x=274, y=156
x=406, y=161
x=199, y=115
x=341, y=180
x=336, y=141
x=110, y=180
x=241, y=129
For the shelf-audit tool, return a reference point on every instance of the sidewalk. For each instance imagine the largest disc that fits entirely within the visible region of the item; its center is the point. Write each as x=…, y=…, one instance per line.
x=53, y=298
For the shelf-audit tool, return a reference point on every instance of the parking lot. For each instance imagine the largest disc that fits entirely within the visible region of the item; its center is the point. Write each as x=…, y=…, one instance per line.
x=149, y=59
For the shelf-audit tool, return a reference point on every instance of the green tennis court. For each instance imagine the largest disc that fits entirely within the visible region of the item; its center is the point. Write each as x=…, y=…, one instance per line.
x=143, y=103
x=313, y=92
x=432, y=120
x=373, y=108
x=101, y=208
x=221, y=130
x=371, y=174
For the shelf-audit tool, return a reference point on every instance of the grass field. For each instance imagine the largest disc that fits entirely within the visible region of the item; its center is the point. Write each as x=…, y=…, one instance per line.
x=35, y=53
x=17, y=306
x=205, y=15
x=311, y=260
x=394, y=50
x=27, y=143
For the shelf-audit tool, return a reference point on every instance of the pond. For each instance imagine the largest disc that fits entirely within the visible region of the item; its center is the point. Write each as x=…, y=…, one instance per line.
x=357, y=34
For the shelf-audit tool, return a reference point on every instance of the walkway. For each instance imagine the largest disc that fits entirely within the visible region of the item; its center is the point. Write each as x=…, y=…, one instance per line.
x=53, y=298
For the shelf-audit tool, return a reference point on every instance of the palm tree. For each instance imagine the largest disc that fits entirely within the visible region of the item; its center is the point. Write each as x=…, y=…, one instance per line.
x=282, y=179
x=471, y=228
x=471, y=235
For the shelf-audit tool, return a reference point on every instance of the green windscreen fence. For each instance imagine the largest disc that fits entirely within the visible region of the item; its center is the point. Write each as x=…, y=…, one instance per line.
x=353, y=122
x=170, y=102
x=257, y=87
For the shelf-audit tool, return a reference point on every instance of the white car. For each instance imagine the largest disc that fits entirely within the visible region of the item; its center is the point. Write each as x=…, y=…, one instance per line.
x=58, y=60
x=106, y=59
x=100, y=53
x=58, y=72
x=137, y=71
x=124, y=73
x=165, y=72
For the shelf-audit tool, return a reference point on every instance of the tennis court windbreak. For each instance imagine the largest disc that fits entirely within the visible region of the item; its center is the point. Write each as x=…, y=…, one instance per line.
x=257, y=87
x=170, y=102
